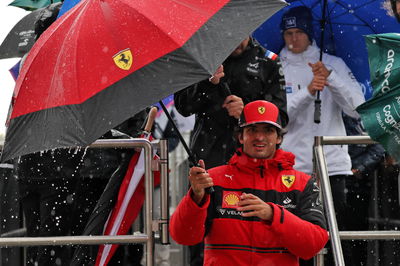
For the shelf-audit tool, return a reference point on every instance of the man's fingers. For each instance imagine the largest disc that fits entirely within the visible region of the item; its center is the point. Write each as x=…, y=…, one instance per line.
x=202, y=164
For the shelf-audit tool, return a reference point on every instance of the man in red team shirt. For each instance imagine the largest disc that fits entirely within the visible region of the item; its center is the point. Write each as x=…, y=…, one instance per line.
x=263, y=212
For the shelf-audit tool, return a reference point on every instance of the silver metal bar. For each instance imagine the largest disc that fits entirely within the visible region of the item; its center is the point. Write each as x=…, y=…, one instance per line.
x=338, y=140
x=328, y=201
x=370, y=235
x=164, y=219
x=72, y=240
x=149, y=188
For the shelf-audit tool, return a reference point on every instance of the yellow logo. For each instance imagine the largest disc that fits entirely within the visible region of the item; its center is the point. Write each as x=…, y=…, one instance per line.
x=288, y=180
x=123, y=59
x=261, y=109
x=231, y=199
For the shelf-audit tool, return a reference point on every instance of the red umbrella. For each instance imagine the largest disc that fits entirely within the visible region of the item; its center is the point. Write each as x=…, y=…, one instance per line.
x=104, y=61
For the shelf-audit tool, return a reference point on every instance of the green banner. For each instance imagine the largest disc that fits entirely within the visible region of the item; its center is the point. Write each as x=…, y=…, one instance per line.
x=381, y=114
x=381, y=119
x=384, y=62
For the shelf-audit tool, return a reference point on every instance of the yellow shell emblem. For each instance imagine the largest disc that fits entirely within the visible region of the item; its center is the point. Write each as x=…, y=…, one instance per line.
x=261, y=110
x=231, y=199
x=288, y=180
x=123, y=59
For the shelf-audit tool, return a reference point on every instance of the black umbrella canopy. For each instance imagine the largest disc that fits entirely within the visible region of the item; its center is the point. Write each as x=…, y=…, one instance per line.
x=82, y=122
x=21, y=37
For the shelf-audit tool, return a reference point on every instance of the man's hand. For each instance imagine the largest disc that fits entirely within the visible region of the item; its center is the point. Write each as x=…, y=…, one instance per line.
x=199, y=181
x=317, y=84
x=219, y=73
x=234, y=105
x=255, y=207
x=319, y=69
x=321, y=74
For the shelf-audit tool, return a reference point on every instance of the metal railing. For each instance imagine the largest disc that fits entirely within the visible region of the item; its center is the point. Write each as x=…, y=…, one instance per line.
x=322, y=173
x=150, y=225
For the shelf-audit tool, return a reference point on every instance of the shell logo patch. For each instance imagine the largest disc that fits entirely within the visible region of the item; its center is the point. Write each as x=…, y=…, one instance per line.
x=230, y=199
x=123, y=59
x=288, y=180
x=261, y=110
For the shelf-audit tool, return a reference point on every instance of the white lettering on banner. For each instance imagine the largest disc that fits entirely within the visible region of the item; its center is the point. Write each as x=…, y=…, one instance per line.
x=397, y=99
x=388, y=71
x=389, y=119
x=380, y=122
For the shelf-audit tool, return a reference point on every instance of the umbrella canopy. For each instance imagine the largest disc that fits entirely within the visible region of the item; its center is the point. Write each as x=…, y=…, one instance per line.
x=32, y=4
x=21, y=37
x=381, y=114
x=104, y=61
x=347, y=21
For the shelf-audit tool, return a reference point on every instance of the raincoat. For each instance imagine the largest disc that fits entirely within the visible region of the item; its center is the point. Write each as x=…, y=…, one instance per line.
x=251, y=76
x=298, y=225
x=343, y=94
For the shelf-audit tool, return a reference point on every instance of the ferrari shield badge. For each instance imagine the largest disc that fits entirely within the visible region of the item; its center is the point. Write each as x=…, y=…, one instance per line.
x=288, y=180
x=261, y=110
x=123, y=59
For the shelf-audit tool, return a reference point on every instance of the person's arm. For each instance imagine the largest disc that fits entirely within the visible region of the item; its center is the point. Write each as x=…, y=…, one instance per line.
x=187, y=224
x=303, y=233
x=346, y=91
x=298, y=102
x=200, y=97
x=188, y=221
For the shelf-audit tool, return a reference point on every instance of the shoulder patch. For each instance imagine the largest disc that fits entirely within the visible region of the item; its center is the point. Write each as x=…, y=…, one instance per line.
x=271, y=55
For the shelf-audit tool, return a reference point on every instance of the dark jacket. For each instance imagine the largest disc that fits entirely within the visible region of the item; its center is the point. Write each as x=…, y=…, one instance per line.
x=251, y=76
x=298, y=227
x=365, y=158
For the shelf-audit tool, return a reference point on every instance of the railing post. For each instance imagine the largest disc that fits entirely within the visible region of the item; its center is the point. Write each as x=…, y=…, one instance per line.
x=149, y=181
x=163, y=227
x=323, y=175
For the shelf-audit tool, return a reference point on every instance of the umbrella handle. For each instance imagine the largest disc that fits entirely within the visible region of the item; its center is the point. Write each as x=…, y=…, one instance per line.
x=150, y=119
x=317, y=110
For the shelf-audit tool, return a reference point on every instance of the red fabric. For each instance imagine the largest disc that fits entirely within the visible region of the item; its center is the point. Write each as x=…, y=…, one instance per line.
x=132, y=210
x=233, y=240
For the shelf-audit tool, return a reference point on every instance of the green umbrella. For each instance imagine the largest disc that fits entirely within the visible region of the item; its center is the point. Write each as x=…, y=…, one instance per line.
x=381, y=114
x=32, y=4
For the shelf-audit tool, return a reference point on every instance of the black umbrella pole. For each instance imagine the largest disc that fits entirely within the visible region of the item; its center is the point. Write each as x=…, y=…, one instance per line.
x=191, y=157
x=317, y=110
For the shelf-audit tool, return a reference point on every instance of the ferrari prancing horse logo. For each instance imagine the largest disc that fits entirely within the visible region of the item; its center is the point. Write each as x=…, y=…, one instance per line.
x=261, y=110
x=123, y=59
x=288, y=180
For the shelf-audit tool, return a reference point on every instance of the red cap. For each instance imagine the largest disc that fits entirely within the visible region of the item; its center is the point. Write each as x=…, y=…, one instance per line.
x=260, y=112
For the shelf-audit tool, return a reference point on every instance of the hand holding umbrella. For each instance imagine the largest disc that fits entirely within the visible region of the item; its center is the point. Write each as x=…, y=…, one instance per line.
x=318, y=83
x=200, y=180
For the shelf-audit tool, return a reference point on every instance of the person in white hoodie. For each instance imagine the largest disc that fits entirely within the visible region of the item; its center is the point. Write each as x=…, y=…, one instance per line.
x=340, y=92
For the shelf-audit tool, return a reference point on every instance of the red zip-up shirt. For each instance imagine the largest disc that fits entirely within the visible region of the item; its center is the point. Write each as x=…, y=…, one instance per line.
x=298, y=225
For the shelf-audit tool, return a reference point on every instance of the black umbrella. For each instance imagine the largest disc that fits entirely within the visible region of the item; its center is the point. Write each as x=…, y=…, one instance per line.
x=21, y=38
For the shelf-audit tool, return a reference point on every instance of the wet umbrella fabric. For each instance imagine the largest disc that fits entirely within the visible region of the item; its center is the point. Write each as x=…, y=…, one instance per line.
x=381, y=114
x=347, y=21
x=103, y=61
x=32, y=4
x=21, y=37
